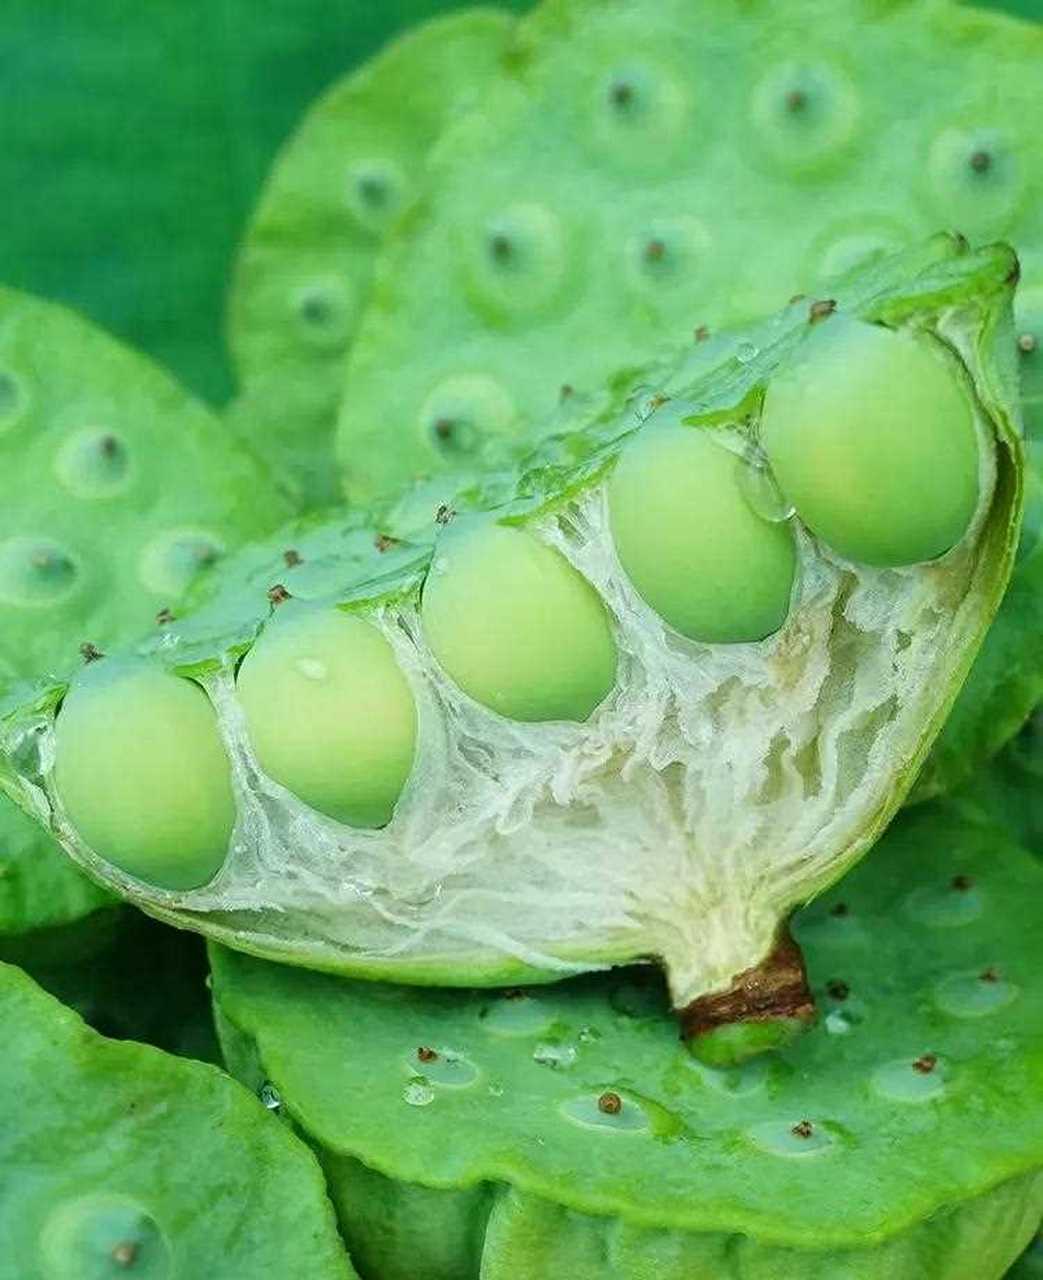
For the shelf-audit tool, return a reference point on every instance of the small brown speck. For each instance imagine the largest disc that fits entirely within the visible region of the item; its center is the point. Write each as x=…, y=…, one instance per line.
x=109, y=446
x=567, y=391
x=443, y=428
x=702, y=333
x=925, y=1063
x=278, y=594
x=838, y=990
x=444, y=514
x=514, y=993
x=962, y=883
x=125, y=1254
x=655, y=251
x=384, y=542
x=164, y=618
x=841, y=909
x=797, y=297
x=991, y=974
x=796, y=100
x=803, y=1129
x=89, y=653
x=292, y=558
x=426, y=1054
x=610, y=1104
x=1027, y=343
x=980, y=161
x=821, y=310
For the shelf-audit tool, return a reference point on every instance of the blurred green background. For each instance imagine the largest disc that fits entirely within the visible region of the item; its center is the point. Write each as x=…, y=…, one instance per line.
x=134, y=135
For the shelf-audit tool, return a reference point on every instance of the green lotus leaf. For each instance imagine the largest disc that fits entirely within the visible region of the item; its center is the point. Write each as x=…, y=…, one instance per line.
x=120, y=488
x=566, y=1131
x=91, y=1132
x=588, y=784
x=304, y=270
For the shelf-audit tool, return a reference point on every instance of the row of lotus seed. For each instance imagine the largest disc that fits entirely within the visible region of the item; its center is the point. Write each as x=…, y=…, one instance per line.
x=871, y=436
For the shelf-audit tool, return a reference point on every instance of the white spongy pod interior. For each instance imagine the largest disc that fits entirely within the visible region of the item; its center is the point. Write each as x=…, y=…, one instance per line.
x=716, y=787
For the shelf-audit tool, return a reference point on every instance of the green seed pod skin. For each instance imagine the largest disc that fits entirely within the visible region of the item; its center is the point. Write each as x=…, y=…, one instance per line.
x=142, y=774
x=330, y=715
x=516, y=627
x=690, y=543
x=873, y=440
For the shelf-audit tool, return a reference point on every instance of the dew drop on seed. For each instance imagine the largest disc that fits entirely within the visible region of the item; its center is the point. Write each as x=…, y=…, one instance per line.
x=745, y=352
x=837, y=1023
x=441, y=1067
x=270, y=1096
x=974, y=994
x=910, y=1079
x=733, y=1082
x=559, y=1056
x=797, y=1138
x=418, y=1094
x=311, y=669
x=600, y=1111
x=761, y=492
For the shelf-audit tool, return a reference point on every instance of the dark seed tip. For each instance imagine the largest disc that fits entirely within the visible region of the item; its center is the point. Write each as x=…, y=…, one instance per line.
x=383, y=542
x=621, y=94
x=821, y=310
x=655, y=251
x=426, y=1054
x=841, y=909
x=443, y=428
x=980, y=161
x=292, y=558
x=991, y=974
x=838, y=990
x=962, y=883
x=89, y=652
x=796, y=100
x=278, y=594
x=444, y=514
x=803, y=1129
x=925, y=1063
x=164, y=618
x=702, y=333
x=610, y=1104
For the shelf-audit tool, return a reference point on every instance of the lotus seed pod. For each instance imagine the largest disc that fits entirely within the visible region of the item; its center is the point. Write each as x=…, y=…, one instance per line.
x=817, y=167
x=872, y=438
x=82, y=1193
x=305, y=269
x=589, y=787
x=121, y=489
x=330, y=713
x=692, y=543
x=516, y=627
x=565, y=1131
x=142, y=774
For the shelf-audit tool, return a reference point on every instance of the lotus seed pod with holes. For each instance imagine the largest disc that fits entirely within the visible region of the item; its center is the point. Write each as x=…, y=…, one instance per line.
x=516, y=626
x=84, y=1194
x=121, y=489
x=871, y=435
x=588, y=786
x=841, y=133
x=329, y=712
x=564, y=1131
x=305, y=269
x=691, y=542
x=142, y=774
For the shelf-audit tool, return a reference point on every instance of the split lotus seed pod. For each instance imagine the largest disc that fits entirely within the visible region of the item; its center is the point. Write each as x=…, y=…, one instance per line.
x=872, y=439
x=565, y=1131
x=141, y=773
x=589, y=785
x=800, y=141
x=304, y=272
x=120, y=488
x=329, y=713
x=89, y=1129
x=692, y=541
x=517, y=627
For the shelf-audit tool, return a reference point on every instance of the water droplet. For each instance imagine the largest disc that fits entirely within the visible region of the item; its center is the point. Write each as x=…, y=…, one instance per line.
x=916, y=1079
x=554, y=1055
x=761, y=492
x=946, y=906
x=442, y=1067
x=270, y=1096
x=745, y=352
x=837, y=1023
x=589, y=1035
x=791, y=1138
x=518, y=1014
x=735, y=1082
x=311, y=669
x=600, y=1111
x=418, y=1094
x=974, y=994
x=496, y=1090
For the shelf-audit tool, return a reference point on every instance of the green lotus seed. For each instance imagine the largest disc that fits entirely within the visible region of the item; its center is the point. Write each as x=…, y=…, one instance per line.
x=692, y=545
x=330, y=714
x=873, y=440
x=142, y=773
x=516, y=626
x=100, y=1237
